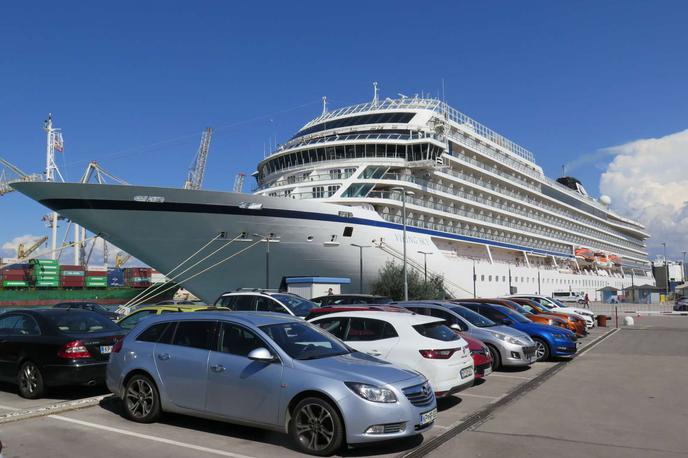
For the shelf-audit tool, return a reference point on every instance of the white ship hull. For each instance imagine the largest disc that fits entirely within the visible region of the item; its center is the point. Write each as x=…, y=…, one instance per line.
x=163, y=227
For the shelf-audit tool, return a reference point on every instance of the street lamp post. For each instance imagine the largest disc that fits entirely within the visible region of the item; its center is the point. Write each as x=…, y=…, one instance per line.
x=666, y=272
x=404, y=193
x=268, y=239
x=683, y=266
x=360, y=249
x=425, y=263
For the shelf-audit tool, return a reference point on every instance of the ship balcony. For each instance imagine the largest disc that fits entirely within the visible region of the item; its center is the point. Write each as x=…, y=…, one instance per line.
x=511, y=211
x=491, y=222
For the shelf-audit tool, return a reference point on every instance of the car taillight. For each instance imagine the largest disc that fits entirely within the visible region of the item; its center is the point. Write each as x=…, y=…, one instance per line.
x=118, y=345
x=438, y=354
x=74, y=350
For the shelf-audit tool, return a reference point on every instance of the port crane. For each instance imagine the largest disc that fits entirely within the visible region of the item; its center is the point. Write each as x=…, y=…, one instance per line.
x=6, y=178
x=23, y=252
x=239, y=182
x=121, y=258
x=194, y=178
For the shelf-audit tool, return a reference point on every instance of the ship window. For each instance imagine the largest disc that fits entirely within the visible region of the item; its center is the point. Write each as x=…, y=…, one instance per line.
x=482, y=278
x=348, y=231
x=489, y=278
x=318, y=192
x=331, y=190
x=357, y=120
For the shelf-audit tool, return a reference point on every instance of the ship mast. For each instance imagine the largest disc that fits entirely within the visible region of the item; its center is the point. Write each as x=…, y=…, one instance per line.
x=54, y=141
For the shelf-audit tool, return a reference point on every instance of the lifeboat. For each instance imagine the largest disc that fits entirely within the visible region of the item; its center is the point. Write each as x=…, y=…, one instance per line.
x=585, y=254
x=616, y=260
x=601, y=260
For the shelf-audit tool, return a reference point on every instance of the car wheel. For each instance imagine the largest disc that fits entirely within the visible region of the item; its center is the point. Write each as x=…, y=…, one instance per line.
x=541, y=349
x=496, y=357
x=141, y=399
x=30, y=381
x=316, y=427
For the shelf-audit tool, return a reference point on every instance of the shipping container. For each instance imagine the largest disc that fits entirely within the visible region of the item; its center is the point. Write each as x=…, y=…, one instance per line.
x=14, y=284
x=72, y=273
x=97, y=268
x=115, y=277
x=44, y=261
x=71, y=267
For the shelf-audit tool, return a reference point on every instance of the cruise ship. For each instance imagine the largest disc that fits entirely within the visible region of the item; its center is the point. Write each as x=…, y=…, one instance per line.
x=334, y=200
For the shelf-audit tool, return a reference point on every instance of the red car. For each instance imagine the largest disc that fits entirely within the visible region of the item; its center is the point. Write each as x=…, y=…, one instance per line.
x=482, y=360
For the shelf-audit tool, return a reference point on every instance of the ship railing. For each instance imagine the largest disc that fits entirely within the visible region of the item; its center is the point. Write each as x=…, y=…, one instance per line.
x=436, y=105
x=538, y=203
x=506, y=208
x=307, y=179
x=500, y=222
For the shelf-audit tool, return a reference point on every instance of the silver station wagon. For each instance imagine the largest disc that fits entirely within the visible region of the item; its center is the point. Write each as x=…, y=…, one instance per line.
x=271, y=371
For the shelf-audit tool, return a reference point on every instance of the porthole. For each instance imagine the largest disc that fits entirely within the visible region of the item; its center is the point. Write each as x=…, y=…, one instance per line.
x=309, y=238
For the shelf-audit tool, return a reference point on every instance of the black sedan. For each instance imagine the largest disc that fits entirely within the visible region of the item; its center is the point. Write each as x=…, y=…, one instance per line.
x=54, y=347
x=90, y=306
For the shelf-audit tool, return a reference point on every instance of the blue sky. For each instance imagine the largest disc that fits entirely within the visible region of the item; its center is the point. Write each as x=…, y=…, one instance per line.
x=133, y=84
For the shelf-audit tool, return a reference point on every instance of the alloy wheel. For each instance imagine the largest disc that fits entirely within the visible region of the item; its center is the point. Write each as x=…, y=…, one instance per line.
x=315, y=428
x=29, y=378
x=540, y=350
x=140, y=398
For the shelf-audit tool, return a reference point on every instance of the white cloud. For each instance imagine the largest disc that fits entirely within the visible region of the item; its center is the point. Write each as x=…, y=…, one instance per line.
x=648, y=180
x=9, y=249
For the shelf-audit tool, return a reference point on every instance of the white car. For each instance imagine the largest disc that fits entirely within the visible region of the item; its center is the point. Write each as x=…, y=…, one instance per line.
x=556, y=306
x=422, y=343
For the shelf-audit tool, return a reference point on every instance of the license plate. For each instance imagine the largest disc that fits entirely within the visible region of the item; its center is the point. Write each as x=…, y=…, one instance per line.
x=466, y=372
x=105, y=349
x=487, y=371
x=428, y=417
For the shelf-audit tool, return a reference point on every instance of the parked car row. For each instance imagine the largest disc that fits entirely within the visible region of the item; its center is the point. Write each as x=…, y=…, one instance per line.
x=345, y=372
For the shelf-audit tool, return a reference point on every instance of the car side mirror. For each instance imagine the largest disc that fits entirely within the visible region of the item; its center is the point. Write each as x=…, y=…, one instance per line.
x=261, y=354
x=455, y=327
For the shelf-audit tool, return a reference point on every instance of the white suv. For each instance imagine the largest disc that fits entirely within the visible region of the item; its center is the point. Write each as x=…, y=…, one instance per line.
x=265, y=301
x=568, y=296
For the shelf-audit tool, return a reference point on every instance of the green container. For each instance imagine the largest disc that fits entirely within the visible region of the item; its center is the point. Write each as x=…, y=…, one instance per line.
x=88, y=279
x=45, y=262
x=47, y=277
x=14, y=283
x=72, y=273
x=47, y=284
x=138, y=279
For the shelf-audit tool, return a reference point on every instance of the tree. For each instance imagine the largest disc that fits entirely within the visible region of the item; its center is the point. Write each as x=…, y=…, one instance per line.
x=390, y=283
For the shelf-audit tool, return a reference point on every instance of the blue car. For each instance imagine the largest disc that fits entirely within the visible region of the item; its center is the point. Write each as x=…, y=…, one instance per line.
x=550, y=341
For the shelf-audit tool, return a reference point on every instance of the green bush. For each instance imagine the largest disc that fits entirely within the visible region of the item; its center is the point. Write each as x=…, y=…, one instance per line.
x=390, y=283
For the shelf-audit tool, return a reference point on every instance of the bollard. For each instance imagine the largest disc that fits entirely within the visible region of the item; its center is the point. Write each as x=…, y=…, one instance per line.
x=616, y=314
x=628, y=321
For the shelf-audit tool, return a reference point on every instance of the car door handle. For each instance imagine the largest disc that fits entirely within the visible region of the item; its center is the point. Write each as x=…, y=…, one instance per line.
x=374, y=353
x=164, y=356
x=217, y=368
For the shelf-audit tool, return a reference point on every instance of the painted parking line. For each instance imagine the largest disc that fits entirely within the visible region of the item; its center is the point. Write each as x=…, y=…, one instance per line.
x=8, y=408
x=482, y=396
x=518, y=377
x=149, y=437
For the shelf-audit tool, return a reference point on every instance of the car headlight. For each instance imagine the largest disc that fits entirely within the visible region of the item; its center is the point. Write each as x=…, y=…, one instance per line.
x=509, y=339
x=372, y=393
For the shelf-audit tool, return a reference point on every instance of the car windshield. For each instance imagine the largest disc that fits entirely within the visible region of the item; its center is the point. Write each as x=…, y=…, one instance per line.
x=473, y=318
x=303, y=341
x=81, y=323
x=298, y=305
x=556, y=302
x=95, y=307
x=516, y=316
x=522, y=309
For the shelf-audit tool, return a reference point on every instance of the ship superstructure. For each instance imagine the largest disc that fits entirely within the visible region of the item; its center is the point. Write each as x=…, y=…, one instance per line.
x=476, y=202
x=482, y=191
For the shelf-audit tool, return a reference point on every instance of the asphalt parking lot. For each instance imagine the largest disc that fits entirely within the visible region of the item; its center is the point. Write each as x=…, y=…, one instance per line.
x=51, y=427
